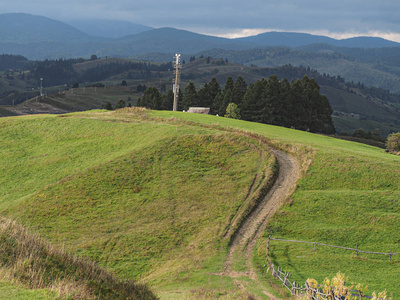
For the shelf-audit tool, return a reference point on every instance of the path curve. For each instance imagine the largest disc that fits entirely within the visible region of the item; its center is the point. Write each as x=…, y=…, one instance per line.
x=251, y=229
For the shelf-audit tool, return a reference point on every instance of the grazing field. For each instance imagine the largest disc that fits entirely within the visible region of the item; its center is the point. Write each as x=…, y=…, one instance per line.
x=151, y=196
x=349, y=195
x=150, y=200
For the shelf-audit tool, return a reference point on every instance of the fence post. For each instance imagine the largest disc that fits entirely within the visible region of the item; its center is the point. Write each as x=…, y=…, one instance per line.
x=390, y=255
x=357, y=250
x=269, y=238
x=285, y=279
x=315, y=247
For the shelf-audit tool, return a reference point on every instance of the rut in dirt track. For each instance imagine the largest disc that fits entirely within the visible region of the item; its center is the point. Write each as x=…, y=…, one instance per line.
x=284, y=186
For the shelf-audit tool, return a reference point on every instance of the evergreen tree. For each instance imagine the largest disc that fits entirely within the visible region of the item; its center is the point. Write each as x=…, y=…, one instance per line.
x=226, y=97
x=107, y=105
x=208, y=94
x=229, y=85
x=222, y=100
x=120, y=104
x=152, y=98
x=252, y=107
x=190, y=97
x=167, y=101
x=297, y=111
x=239, y=89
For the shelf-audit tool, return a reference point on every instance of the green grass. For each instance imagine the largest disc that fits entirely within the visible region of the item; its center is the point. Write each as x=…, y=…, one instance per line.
x=28, y=260
x=150, y=200
x=349, y=195
x=164, y=221
x=15, y=292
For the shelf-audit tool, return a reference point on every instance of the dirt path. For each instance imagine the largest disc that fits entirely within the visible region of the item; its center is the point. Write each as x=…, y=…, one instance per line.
x=244, y=241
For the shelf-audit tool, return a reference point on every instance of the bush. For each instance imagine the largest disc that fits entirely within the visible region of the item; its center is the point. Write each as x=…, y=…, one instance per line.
x=107, y=105
x=232, y=111
x=393, y=142
x=120, y=104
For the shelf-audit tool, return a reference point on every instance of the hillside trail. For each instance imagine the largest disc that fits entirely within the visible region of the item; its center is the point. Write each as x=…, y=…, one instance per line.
x=244, y=242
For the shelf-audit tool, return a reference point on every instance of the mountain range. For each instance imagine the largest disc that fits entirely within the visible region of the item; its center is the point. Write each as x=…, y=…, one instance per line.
x=38, y=37
x=368, y=60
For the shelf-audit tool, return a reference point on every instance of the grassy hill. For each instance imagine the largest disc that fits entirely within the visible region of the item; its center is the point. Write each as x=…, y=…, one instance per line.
x=349, y=195
x=149, y=199
x=151, y=195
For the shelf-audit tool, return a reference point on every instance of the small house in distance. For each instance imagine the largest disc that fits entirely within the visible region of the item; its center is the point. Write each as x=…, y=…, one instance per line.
x=199, y=110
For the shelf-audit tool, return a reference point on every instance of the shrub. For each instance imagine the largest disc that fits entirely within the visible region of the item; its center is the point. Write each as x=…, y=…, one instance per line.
x=107, y=105
x=120, y=104
x=393, y=142
x=232, y=111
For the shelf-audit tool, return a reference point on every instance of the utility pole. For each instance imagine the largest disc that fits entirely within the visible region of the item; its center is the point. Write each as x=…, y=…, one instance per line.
x=41, y=87
x=177, y=67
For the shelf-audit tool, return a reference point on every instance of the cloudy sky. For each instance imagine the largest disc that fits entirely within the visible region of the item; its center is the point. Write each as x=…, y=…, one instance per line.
x=233, y=18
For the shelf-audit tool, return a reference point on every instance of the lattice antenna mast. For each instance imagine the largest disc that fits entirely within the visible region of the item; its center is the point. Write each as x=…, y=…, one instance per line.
x=177, y=67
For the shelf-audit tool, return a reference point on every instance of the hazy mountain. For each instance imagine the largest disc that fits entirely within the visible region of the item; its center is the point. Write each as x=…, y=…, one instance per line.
x=108, y=28
x=293, y=39
x=364, y=59
x=290, y=39
x=25, y=28
x=38, y=37
x=171, y=40
x=365, y=42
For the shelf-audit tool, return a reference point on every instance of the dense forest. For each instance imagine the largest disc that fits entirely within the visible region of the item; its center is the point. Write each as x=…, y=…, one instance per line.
x=8, y=61
x=297, y=104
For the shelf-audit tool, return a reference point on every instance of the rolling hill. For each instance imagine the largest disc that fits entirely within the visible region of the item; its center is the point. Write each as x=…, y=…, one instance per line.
x=153, y=194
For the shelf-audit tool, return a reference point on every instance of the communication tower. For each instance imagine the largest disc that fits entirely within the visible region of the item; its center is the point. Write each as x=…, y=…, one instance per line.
x=177, y=67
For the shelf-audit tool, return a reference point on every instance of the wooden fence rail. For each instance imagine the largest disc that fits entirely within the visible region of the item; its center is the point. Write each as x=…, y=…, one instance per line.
x=313, y=293
x=390, y=254
x=308, y=291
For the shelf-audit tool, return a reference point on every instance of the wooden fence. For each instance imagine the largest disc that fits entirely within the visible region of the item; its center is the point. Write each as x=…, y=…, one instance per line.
x=310, y=292
x=314, y=293
x=390, y=254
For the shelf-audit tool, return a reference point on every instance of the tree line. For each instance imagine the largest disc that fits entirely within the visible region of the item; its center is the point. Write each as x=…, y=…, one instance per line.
x=296, y=104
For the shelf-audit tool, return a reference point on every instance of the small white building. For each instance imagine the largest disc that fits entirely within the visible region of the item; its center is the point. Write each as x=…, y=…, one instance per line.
x=199, y=110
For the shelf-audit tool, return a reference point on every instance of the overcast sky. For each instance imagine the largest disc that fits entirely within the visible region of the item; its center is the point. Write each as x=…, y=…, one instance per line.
x=232, y=18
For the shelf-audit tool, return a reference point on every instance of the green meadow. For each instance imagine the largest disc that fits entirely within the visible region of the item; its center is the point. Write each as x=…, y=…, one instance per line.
x=149, y=200
x=349, y=195
x=151, y=195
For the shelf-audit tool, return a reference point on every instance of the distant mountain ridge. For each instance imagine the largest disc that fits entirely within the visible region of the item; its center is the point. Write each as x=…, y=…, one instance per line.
x=369, y=60
x=25, y=34
x=294, y=39
x=20, y=28
x=108, y=28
